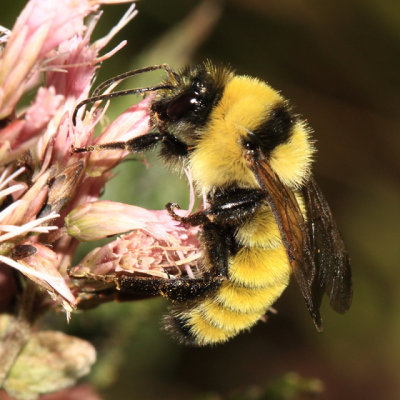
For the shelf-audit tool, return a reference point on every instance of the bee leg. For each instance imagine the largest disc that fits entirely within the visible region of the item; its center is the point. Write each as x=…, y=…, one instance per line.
x=228, y=209
x=179, y=289
x=172, y=146
x=88, y=300
x=219, y=243
x=141, y=143
x=231, y=206
x=196, y=219
x=129, y=288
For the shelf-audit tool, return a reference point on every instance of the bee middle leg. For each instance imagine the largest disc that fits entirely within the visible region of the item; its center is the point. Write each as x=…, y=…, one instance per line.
x=227, y=207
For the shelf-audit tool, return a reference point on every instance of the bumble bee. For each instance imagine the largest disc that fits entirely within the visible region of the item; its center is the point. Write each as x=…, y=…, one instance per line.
x=266, y=216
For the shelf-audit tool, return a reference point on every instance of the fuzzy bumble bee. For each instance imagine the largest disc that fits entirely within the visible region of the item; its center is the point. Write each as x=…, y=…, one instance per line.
x=266, y=217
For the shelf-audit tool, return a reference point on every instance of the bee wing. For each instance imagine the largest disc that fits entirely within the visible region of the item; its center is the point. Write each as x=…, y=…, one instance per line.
x=294, y=233
x=333, y=273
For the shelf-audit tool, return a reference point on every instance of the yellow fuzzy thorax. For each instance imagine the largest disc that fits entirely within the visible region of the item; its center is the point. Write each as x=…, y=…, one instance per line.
x=218, y=158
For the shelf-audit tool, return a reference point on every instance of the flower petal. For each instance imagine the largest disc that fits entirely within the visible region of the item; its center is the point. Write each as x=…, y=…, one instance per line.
x=87, y=222
x=42, y=269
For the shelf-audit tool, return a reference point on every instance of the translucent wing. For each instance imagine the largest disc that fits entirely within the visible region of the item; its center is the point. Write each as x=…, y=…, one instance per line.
x=330, y=255
x=293, y=230
x=315, y=249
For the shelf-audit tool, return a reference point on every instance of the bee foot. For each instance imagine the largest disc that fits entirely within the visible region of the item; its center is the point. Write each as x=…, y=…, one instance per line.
x=171, y=207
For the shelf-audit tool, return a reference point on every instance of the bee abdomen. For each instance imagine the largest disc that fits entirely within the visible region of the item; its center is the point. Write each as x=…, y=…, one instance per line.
x=209, y=323
x=248, y=300
x=257, y=277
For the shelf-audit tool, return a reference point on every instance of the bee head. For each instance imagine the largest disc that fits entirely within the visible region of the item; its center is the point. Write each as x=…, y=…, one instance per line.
x=193, y=94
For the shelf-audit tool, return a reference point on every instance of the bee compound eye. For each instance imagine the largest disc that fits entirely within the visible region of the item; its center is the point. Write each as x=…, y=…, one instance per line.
x=181, y=105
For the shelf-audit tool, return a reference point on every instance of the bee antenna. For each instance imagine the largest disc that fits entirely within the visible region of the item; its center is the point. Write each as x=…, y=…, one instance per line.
x=128, y=74
x=108, y=96
x=97, y=97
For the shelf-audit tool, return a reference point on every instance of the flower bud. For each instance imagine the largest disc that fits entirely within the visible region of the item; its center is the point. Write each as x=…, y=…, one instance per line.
x=100, y=219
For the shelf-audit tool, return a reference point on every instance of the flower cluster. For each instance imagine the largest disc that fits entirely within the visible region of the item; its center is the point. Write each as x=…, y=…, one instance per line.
x=48, y=51
x=49, y=194
x=42, y=180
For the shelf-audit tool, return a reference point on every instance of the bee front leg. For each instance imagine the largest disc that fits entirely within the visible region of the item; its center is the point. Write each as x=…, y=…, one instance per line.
x=140, y=144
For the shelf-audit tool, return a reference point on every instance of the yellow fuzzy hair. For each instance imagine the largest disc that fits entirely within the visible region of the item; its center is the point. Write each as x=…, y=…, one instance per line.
x=218, y=159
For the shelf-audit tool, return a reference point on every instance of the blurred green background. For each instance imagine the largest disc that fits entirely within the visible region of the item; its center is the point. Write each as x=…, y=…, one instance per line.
x=339, y=63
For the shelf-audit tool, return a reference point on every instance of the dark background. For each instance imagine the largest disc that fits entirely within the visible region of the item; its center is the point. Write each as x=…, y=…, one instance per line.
x=339, y=63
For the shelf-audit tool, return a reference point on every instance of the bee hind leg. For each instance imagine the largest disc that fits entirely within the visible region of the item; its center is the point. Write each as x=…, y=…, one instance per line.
x=175, y=289
x=129, y=288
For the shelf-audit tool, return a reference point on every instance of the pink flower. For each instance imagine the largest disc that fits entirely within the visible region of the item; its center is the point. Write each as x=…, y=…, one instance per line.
x=41, y=28
x=131, y=123
x=50, y=37
x=41, y=268
x=158, y=245
x=42, y=180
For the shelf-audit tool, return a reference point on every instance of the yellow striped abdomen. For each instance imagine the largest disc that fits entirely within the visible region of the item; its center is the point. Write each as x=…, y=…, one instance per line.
x=257, y=277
